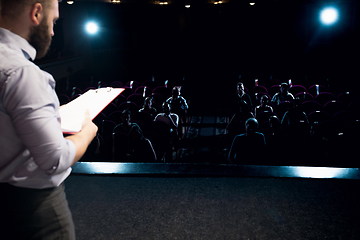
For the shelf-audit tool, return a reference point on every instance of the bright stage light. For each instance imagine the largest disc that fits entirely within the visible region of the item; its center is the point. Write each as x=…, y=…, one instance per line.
x=329, y=16
x=91, y=28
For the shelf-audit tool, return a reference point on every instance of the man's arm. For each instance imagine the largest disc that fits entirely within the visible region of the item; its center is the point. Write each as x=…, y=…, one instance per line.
x=84, y=137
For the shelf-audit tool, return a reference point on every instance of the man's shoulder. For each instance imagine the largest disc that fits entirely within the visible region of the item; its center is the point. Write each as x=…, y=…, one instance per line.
x=11, y=60
x=240, y=135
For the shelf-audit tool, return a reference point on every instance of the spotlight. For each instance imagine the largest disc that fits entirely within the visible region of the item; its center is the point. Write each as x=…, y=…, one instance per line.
x=329, y=15
x=91, y=28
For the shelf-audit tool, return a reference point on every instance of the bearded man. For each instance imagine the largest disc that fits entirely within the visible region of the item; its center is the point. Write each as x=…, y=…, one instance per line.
x=35, y=158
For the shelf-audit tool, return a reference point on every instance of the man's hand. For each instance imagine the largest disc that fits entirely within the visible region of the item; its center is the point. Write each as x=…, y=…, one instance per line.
x=83, y=138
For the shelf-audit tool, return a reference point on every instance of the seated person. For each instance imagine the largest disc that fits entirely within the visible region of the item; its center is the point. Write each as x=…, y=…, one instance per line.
x=295, y=119
x=242, y=115
x=248, y=145
x=171, y=119
x=178, y=103
x=274, y=125
x=283, y=95
x=241, y=95
x=140, y=148
x=263, y=107
x=147, y=107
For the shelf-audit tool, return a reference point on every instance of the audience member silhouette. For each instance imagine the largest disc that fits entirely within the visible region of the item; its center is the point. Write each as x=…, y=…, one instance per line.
x=241, y=96
x=295, y=120
x=171, y=119
x=235, y=125
x=247, y=145
x=274, y=125
x=140, y=148
x=178, y=103
x=263, y=107
x=148, y=106
x=283, y=95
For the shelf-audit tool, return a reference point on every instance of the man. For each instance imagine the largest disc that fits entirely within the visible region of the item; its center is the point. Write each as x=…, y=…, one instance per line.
x=171, y=119
x=249, y=146
x=241, y=96
x=283, y=95
x=35, y=158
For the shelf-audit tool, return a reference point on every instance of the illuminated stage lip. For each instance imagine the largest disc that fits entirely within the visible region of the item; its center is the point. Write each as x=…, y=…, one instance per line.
x=223, y=170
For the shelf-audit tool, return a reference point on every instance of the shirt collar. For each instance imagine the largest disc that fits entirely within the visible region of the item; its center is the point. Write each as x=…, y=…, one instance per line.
x=14, y=39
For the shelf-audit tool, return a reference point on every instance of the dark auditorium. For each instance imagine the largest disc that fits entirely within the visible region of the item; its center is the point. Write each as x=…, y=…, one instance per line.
x=237, y=119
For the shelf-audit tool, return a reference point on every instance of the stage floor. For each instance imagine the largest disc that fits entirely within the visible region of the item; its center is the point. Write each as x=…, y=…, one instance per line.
x=208, y=169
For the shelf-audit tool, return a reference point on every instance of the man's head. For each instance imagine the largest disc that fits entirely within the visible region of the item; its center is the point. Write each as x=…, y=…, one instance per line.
x=126, y=116
x=240, y=87
x=31, y=19
x=251, y=125
x=176, y=91
x=284, y=87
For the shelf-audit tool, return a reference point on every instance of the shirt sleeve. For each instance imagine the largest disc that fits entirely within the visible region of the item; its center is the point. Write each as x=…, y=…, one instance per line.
x=33, y=107
x=184, y=104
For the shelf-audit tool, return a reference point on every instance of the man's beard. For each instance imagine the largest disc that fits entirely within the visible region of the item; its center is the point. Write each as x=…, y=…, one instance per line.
x=40, y=39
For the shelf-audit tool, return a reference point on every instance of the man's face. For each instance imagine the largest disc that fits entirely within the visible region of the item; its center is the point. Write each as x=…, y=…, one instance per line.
x=40, y=36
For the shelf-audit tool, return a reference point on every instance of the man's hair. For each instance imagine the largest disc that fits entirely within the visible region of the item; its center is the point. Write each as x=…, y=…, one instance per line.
x=252, y=122
x=13, y=8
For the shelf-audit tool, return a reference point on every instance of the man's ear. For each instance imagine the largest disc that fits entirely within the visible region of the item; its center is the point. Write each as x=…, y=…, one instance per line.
x=36, y=14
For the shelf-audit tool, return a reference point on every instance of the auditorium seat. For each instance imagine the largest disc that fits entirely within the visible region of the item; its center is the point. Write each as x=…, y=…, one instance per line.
x=295, y=89
x=115, y=117
x=273, y=82
x=63, y=99
x=315, y=89
x=132, y=85
x=75, y=96
x=131, y=106
x=127, y=91
x=105, y=128
x=143, y=90
x=311, y=106
x=257, y=89
x=150, y=84
x=116, y=84
x=158, y=99
x=264, y=116
x=318, y=116
x=304, y=96
x=88, y=88
x=333, y=107
x=346, y=97
x=273, y=89
x=109, y=109
x=164, y=91
x=119, y=99
x=136, y=98
x=324, y=97
x=101, y=116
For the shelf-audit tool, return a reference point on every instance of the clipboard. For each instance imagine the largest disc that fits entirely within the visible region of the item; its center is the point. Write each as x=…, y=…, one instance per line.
x=72, y=114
